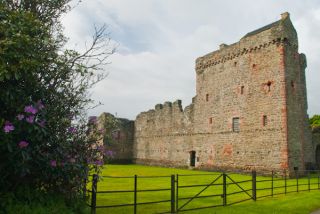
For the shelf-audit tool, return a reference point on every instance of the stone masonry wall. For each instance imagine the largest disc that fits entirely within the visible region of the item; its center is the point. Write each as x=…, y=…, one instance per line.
x=261, y=81
x=118, y=136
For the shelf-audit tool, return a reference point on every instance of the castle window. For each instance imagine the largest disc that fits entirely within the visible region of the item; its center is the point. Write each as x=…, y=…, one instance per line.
x=254, y=65
x=235, y=64
x=242, y=89
x=207, y=97
x=269, y=86
x=264, y=120
x=236, y=124
x=210, y=120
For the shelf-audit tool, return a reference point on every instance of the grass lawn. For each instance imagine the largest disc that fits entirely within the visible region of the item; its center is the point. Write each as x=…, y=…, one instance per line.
x=300, y=203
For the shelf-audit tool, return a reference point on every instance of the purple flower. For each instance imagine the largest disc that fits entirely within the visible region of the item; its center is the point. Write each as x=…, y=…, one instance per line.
x=53, y=163
x=109, y=153
x=98, y=162
x=23, y=144
x=30, y=109
x=8, y=127
x=20, y=116
x=72, y=130
x=42, y=123
x=30, y=119
x=40, y=105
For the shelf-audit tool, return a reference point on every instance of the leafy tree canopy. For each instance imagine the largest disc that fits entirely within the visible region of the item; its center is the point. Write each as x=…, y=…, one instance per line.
x=315, y=121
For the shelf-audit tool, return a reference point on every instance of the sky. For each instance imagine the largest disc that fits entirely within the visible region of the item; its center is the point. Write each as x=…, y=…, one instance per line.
x=158, y=42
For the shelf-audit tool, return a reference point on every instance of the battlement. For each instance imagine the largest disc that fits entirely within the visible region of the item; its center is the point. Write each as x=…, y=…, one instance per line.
x=164, y=110
x=166, y=118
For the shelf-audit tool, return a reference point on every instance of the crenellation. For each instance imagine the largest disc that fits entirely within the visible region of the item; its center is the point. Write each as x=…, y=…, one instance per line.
x=167, y=105
x=177, y=105
x=158, y=107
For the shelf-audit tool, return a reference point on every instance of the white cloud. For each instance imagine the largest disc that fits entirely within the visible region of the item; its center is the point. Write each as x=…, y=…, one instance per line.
x=160, y=40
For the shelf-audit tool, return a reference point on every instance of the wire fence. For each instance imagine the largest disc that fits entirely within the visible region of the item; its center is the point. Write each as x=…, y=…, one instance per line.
x=181, y=193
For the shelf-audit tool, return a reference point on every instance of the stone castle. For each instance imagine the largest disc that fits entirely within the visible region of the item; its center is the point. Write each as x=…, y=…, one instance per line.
x=249, y=112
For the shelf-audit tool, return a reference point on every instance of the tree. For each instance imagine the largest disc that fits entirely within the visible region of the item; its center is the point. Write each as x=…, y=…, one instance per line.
x=43, y=98
x=315, y=121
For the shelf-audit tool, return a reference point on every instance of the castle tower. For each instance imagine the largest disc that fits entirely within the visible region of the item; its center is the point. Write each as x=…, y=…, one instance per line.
x=253, y=93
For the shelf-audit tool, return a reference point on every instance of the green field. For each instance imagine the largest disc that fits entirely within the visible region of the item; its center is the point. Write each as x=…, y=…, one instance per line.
x=302, y=202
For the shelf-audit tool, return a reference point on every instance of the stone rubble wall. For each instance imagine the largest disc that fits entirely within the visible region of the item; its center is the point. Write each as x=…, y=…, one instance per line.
x=118, y=136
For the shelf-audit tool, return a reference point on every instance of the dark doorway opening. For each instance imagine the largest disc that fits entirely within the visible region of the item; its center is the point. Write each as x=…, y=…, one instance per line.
x=192, y=158
x=318, y=156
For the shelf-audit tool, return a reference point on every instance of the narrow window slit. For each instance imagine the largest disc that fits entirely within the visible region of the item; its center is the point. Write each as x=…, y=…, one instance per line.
x=265, y=120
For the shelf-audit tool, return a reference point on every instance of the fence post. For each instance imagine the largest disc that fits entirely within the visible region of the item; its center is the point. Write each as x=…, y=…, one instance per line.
x=309, y=180
x=297, y=179
x=172, y=194
x=224, y=194
x=135, y=194
x=177, y=193
x=94, y=193
x=254, y=185
x=285, y=182
x=272, y=174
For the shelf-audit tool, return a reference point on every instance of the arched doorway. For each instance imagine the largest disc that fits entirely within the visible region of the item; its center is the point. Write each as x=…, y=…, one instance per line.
x=192, y=158
x=318, y=156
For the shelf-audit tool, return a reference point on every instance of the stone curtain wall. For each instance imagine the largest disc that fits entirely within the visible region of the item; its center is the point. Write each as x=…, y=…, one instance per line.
x=261, y=81
x=163, y=136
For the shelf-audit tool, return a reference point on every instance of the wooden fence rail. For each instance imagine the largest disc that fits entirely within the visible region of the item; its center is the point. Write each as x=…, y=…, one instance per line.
x=174, y=188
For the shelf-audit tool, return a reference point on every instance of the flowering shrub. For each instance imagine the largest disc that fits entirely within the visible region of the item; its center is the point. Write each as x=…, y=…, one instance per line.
x=36, y=159
x=44, y=141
